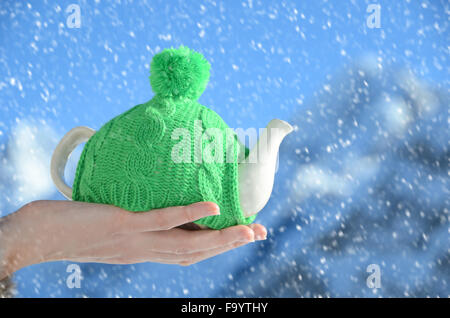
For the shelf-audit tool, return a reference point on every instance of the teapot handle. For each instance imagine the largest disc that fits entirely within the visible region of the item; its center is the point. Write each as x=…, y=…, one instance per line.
x=62, y=152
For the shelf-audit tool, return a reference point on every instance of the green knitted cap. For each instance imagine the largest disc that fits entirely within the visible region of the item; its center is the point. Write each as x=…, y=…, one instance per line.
x=167, y=152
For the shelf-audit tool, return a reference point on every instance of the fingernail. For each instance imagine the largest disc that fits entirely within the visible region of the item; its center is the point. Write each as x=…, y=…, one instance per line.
x=212, y=208
x=248, y=239
x=260, y=237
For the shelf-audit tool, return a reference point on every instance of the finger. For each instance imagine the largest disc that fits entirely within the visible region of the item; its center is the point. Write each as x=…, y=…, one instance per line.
x=201, y=256
x=260, y=231
x=189, y=259
x=179, y=241
x=168, y=218
x=192, y=258
x=209, y=239
x=178, y=259
x=138, y=249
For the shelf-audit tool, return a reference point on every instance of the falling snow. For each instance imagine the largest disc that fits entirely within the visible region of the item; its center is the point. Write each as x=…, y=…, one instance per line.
x=363, y=179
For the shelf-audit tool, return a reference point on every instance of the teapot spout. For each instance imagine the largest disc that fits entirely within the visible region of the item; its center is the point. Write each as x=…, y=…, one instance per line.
x=257, y=171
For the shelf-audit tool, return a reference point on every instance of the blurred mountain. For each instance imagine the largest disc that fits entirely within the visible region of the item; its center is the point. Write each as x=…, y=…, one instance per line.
x=363, y=180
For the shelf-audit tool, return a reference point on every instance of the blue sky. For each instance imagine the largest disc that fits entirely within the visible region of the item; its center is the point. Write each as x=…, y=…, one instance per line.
x=268, y=59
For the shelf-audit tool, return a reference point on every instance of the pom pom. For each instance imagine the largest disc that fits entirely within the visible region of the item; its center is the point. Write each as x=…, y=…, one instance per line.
x=179, y=72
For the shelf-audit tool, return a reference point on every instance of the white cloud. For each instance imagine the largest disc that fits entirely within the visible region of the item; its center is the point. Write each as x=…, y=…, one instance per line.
x=25, y=169
x=317, y=179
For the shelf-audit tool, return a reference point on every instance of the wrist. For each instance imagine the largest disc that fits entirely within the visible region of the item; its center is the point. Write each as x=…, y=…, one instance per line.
x=6, y=285
x=6, y=250
x=19, y=242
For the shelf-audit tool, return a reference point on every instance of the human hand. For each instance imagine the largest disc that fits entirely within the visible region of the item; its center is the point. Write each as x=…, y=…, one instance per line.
x=45, y=230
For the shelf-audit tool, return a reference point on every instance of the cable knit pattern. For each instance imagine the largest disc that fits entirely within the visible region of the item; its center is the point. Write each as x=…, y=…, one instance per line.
x=128, y=162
